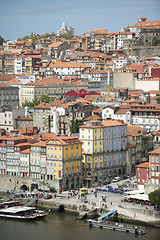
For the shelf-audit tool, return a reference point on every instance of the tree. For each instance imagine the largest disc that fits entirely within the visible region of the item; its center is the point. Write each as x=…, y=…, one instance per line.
x=74, y=126
x=154, y=197
x=66, y=36
x=1, y=40
x=29, y=104
x=158, y=99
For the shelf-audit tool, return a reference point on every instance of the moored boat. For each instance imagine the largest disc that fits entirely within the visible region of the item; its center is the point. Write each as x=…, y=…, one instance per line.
x=22, y=212
x=138, y=230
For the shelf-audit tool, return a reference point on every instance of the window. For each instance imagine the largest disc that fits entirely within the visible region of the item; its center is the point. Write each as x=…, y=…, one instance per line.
x=71, y=147
x=66, y=147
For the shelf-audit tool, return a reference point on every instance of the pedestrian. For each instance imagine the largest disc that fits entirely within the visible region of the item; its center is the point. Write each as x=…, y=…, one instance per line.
x=111, y=203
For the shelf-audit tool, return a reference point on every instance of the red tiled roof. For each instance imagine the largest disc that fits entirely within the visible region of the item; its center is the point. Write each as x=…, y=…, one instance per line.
x=143, y=165
x=43, y=106
x=156, y=151
x=55, y=44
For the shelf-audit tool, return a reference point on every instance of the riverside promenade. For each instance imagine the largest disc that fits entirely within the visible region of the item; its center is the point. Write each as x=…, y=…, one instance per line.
x=95, y=201
x=101, y=202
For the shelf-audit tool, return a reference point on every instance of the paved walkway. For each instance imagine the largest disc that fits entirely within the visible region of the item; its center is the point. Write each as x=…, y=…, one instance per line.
x=113, y=201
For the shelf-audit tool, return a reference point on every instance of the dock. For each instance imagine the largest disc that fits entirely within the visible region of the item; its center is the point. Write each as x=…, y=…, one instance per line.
x=123, y=227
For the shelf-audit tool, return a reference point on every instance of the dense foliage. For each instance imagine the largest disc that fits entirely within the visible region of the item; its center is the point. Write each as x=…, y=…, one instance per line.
x=66, y=36
x=36, y=101
x=74, y=126
x=154, y=197
x=35, y=37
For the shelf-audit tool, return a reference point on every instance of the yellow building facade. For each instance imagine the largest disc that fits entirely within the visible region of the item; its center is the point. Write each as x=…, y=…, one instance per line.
x=66, y=154
x=92, y=136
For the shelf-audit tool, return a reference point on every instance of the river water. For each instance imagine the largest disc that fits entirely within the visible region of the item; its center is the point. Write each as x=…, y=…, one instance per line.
x=62, y=226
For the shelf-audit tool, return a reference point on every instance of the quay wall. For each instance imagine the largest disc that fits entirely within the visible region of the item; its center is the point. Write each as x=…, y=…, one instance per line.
x=17, y=183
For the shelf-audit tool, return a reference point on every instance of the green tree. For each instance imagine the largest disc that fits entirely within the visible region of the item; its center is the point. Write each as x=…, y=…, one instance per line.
x=154, y=197
x=74, y=126
x=1, y=40
x=156, y=42
x=46, y=99
x=66, y=36
x=158, y=99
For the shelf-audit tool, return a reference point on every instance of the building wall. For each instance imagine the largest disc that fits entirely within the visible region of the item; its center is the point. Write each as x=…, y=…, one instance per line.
x=154, y=168
x=124, y=80
x=146, y=85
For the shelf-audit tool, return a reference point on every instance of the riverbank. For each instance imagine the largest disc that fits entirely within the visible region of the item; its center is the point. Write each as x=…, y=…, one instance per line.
x=97, y=204
x=129, y=212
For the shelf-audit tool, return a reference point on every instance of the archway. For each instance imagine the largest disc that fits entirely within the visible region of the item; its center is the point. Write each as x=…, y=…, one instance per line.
x=119, y=171
x=34, y=186
x=61, y=208
x=72, y=183
x=24, y=187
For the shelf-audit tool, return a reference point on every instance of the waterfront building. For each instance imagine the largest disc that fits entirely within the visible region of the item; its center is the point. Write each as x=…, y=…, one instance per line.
x=24, y=165
x=154, y=166
x=142, y=175
x=104, y=150
x=38, y=164
x=64, y=161
x=11, y=147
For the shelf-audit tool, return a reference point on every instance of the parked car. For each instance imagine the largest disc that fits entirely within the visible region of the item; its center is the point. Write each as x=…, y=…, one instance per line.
x=116, y=179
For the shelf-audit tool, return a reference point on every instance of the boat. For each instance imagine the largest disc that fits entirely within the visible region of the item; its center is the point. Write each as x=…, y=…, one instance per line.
x=22, y=212
x=102, y=222
x=8, y=204
x=107, y=215
x=128, y=228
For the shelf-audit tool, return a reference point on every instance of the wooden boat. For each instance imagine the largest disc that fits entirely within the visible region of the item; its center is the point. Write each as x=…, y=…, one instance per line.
x=8, y=204
x=22, y=212
x=123, y=227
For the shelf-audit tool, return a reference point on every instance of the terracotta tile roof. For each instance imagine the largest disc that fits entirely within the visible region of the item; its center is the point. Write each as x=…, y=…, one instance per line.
x=5, y=85
x=62, y=140
x=139, y=67
x=135, y=128
x=121, y=111
x=58, y=102
x=28, y=150
x=14, y=82
x=40, y=144
x=22, y=144
x=155, y=24
x=25, y=118
x=59, y=64
x=44, y=136
x=98, y=31
x=93, y=117
x=7, y=77
x=156, y=151
x=113, y=123
x=143, y=165
x=55, y=44
x=90, y=98
x=97, y=110
x=157, y=92
x=43, y=106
